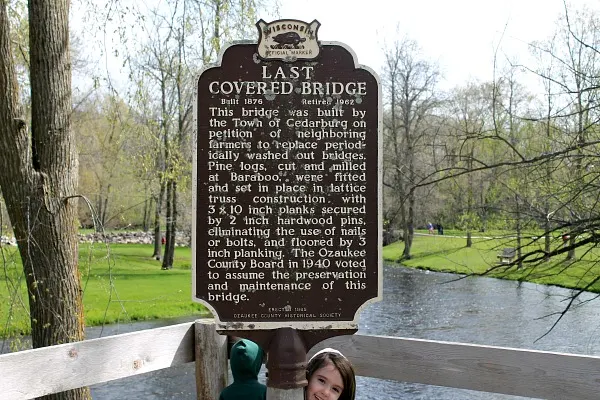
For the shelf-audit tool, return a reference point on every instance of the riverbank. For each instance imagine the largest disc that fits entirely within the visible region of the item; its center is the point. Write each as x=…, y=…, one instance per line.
x=448, y=253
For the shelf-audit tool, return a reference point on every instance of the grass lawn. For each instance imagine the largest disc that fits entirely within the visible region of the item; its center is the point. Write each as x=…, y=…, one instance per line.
x=449, y=253
x=121, y=283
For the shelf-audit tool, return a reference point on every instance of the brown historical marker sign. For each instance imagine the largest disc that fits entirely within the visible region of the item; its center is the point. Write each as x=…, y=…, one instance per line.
x=287, y=206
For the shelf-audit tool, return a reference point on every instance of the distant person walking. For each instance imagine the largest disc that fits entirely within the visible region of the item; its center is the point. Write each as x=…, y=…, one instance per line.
x=440, y=229
x=565, y=239
x=430, y=228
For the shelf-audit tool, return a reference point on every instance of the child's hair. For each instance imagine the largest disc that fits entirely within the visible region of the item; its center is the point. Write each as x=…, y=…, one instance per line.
x=341, y=363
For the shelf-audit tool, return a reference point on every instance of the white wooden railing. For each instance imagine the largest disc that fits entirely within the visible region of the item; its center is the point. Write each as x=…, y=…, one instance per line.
x=529, y=373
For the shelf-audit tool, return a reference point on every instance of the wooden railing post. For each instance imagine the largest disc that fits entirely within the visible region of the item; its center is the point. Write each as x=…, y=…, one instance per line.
x=211, y=360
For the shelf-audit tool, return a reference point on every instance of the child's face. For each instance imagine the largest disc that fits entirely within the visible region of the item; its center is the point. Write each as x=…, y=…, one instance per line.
x=325, y=384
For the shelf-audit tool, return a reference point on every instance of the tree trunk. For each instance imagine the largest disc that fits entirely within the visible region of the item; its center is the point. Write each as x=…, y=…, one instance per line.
x=410, y=232
x=170, y=244
x=409, y=229
x=470, y=198
x=168, y=254
x=38, y=177
x=571, y=253
x=157, y=237
x=408, y=239
x=105, y=206
x=519, y=229
x=173, y=226
x=144, y=218
x=148, y=201
x=99, y=210
x=547, y=238
x=409, y=155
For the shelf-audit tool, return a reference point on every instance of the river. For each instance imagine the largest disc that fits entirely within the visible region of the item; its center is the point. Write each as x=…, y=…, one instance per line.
x=425, y=305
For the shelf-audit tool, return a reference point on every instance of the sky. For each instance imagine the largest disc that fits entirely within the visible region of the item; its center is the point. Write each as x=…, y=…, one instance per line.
x=460, y=35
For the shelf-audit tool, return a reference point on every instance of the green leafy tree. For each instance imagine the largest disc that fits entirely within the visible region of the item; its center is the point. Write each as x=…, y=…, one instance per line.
x=411, y=95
